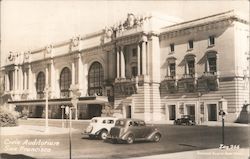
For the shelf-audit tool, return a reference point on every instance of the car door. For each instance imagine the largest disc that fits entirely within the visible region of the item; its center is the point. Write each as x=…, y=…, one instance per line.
x=145, y=130
x=135, y=129
x=110, y=124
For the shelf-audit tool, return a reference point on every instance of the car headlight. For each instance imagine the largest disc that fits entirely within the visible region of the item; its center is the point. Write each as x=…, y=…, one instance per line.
x=89, y=129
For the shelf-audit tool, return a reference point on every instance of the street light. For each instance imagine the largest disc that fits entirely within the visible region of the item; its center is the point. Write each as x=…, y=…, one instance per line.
x=63, y=107
x=68, y=111
x=222, y=111
x=46, y=108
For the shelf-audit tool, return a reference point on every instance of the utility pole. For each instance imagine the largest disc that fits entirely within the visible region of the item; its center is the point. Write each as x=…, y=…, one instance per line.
x=46, y=99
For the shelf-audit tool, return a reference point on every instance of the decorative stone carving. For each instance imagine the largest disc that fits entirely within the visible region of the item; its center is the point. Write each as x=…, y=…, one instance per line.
x=27, y=56
x=108, y=32
x=75, y=41
x=48, y=49
x=129, y=23
x=11, y=56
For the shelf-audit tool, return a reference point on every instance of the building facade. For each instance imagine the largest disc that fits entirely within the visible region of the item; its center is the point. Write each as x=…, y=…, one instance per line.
x=155, y=68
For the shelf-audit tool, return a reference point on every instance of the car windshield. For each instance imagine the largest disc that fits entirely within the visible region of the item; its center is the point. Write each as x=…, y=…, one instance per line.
x=120, y=123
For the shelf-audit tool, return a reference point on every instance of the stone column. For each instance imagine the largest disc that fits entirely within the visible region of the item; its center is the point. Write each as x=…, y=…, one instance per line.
x=20, y=80
x=207, y=65
x=46, y=76
x=80, y=74
x=144, y=58
x=168, y=69
x=186, y=67
x=138, y=60
x=6, y=82
x=117, y=63
x=122, y=63
x=52, y=79
x=24, y=80
x=73, y=72
x=15, y=79
x=30, y=78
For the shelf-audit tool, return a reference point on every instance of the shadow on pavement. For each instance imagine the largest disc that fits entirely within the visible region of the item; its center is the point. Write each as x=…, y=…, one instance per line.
x=14, y=156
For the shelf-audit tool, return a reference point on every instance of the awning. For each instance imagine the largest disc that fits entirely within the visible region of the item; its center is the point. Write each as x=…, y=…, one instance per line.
x=58, y=101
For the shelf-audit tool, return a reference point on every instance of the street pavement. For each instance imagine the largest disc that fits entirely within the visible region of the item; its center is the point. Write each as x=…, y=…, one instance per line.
x=177, y=142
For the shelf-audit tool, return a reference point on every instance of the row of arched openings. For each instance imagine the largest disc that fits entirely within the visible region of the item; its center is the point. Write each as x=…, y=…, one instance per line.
x=95, y=81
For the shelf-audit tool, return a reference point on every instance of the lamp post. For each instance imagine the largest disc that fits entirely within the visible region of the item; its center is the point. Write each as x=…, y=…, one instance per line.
x=62, y=107
x=46, y=108
x=222, y=111
x=68, y=112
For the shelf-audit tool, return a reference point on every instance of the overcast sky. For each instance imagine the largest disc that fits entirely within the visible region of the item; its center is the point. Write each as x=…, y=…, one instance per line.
x=30, y=24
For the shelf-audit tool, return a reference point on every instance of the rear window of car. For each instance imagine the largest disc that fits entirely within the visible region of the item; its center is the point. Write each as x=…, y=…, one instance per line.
x=110, y=121
x=120, y=123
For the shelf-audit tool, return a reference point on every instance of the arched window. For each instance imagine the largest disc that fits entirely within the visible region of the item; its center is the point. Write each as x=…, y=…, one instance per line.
x=65, y=82
x=40, y=85
x=95, y=79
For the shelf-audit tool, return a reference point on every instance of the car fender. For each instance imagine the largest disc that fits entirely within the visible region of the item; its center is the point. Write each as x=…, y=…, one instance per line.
x=150, y=137
x=125, y=136
x=99, y=131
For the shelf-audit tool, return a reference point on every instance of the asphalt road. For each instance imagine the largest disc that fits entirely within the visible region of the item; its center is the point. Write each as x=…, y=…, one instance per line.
x=175, y=139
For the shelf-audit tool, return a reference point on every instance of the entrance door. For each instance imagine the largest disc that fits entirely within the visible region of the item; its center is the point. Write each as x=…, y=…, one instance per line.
x=128, y=112
x=212, y=112
x=191, y=111
x=171, y=109
x=94, y=110
x=38, y=111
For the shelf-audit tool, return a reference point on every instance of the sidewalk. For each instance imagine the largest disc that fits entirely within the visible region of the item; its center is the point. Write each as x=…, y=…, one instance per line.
x=203, y=154
x=33, y=130
x=208, y=123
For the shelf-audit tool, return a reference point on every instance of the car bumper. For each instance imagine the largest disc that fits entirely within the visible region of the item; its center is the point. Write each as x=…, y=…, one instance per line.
x=113, y=137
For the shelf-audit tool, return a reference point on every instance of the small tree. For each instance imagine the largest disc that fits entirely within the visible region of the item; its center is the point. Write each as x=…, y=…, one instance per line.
x=8, y=118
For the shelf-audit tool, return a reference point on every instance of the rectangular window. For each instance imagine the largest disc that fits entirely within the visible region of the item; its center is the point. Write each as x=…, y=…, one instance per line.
x=191, y=69
x=190, y=44
x=172, y=69
x=171, y=48
x=212, y=64
x=211, y=41
x=134, y=71
x=134, y=52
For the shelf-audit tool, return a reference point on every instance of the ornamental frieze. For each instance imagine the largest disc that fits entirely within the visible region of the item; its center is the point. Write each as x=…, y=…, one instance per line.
x=172, y=33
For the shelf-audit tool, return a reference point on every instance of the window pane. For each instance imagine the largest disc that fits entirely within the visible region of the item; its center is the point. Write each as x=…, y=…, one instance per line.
x=96, y=76
x=190, y=44
x=212, y=64
x=40, y=85
x=191, y=67
x=172, y=69
x=65, y=82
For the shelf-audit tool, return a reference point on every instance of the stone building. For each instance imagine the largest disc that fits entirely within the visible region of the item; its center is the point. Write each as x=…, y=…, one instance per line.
x=153, y=67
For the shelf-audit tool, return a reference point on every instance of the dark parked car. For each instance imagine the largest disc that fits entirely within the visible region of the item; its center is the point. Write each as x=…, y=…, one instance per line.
x=185, y=120
x=131, y=130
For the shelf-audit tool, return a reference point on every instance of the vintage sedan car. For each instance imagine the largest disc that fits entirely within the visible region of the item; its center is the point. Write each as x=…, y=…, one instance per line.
x=185, y=120
x=99, y=127
x=130, y=130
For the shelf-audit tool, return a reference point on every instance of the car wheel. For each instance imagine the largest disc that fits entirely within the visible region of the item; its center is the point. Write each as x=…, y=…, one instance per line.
x=157, y=137
x=91, y=136
x=103, y=134
x=130, y=139
x=114, y=141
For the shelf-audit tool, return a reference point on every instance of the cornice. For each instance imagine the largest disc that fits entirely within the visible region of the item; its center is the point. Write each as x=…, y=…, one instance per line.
x=172, y=33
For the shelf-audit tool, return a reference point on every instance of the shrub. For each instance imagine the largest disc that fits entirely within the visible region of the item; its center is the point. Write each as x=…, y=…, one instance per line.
x=8, y=118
